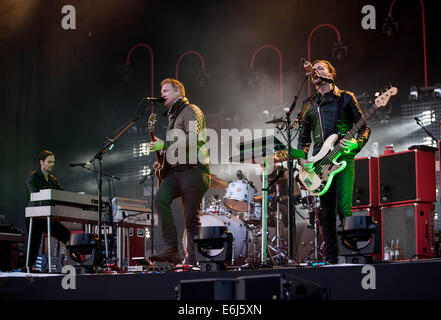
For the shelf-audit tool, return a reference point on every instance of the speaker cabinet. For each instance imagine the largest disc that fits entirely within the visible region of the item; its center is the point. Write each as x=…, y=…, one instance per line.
x=278, y=287
x=366, y=183
x=406, y=177
x=413, y=225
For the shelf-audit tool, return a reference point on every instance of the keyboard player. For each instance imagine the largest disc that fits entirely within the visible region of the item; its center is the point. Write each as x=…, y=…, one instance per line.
x=39, y=179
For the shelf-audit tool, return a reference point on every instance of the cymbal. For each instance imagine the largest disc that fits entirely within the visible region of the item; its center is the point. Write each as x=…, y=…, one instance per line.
x=217, y=183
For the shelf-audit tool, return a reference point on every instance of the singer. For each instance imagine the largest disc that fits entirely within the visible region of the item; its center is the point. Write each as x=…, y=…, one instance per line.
x=332, y=110
x=188, y=181
x=39, y=179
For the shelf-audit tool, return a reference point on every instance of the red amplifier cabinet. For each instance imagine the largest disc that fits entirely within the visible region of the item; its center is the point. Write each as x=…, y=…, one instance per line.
x=413, y=225
x=375, y=214
x=406, y=177
x=136, y=246
x=366, y=192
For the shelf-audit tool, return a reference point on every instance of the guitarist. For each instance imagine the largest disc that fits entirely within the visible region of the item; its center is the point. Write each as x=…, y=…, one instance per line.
x=186, y=179
x=332, y=111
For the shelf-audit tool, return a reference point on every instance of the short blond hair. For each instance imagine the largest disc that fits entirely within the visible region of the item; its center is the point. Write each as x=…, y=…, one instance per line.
x=176, y=84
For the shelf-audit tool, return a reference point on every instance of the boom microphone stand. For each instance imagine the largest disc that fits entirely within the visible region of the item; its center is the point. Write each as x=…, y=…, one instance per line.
x=99, y=156
x=288, y=127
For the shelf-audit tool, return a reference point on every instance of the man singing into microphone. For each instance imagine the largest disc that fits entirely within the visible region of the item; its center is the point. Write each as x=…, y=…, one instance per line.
x=37, y=180
x=186, y=179
x=332, y=111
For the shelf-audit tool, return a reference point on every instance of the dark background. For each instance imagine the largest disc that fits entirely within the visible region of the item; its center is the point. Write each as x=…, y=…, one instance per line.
x=66, y=90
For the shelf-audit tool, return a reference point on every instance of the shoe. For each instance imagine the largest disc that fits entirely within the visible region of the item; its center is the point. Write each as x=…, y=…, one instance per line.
x=332, y=261
x=169, y=255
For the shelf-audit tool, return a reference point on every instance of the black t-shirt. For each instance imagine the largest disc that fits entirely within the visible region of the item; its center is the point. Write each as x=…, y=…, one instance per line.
x=35, y=182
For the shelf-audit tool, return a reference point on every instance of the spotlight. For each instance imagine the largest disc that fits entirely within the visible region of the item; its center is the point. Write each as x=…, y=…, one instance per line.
x=82, y=252
x=413, y=95
x=202, y=78
x=339, y=50
x=357, y=239
x=437, y=91
x=213, y=247
x=250, y=79
x=390, y=26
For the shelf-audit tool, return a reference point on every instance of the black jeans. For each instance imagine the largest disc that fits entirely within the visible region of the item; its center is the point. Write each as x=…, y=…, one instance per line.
x=189, y=183
x=39, y=226
x=337, y=200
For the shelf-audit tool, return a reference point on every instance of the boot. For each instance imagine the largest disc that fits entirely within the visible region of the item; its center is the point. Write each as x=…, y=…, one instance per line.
x=170, y=255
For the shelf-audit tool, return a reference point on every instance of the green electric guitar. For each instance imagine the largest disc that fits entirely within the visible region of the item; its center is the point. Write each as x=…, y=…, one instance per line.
x=326, y=164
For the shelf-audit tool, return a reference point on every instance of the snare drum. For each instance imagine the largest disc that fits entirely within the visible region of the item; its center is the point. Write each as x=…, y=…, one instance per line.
x=238, y=194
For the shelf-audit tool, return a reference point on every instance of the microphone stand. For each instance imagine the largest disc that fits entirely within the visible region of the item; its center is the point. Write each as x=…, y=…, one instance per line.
x=99, y=156
x=291, y=213
x=418, y=121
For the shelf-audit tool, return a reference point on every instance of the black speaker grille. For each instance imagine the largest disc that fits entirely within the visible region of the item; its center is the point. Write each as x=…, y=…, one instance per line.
x=397, y=177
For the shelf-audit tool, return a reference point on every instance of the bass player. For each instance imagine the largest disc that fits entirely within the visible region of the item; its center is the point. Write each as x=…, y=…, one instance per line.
x=332, y=111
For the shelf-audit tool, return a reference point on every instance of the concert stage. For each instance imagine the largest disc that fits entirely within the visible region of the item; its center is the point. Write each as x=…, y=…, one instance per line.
x=404, y=280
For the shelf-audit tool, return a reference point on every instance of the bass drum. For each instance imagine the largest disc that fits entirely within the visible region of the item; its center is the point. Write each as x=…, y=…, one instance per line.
x=238, y=230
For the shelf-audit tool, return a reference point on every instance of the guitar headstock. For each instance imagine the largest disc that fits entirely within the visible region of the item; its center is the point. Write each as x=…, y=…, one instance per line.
x=383, y=99
x=151, y=121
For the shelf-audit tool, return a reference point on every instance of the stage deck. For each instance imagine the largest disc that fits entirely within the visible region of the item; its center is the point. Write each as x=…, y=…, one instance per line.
x=409, y=280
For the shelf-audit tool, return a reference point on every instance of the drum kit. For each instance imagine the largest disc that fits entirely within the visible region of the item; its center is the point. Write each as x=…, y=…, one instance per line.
x=240, y=210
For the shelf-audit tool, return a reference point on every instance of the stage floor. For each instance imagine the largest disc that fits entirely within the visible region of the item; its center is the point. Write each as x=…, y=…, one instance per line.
x=404, y=280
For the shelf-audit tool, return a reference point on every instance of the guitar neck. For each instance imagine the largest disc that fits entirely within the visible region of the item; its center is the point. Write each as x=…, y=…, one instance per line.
x=357, y=126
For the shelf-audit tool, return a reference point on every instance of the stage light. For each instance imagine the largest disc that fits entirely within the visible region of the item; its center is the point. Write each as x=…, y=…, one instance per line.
x=437, y=91
x=82, y=251
x=202, y=78
x=250, y=79
x=413, y=95
x=357, y=239
x=339, y=51
x=390, y=26
x=213, y=248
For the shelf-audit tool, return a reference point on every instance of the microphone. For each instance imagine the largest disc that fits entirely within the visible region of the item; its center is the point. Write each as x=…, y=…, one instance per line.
x=310, y=71
x=76, y=164
x=153, y=99
x=417, y=119
x=239, y=174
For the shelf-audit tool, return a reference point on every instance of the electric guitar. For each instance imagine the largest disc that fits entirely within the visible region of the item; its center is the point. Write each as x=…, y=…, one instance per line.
x=326, y=166
x=160, y=155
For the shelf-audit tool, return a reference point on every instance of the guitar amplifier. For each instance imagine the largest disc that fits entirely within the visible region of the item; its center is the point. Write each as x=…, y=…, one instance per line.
x=413, y=225
x=366, y=183
x=406, y=177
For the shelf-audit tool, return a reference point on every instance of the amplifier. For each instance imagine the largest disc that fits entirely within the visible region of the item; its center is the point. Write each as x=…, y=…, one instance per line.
x=413, y=225
x=366, y=183
x=406, y=177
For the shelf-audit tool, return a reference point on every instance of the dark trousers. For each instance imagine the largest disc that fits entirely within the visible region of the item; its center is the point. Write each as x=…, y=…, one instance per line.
x=337, y=200
x=39, y=227
x=190, y=184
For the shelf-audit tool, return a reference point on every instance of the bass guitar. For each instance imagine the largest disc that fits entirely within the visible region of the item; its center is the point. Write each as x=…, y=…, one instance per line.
x=326, y=165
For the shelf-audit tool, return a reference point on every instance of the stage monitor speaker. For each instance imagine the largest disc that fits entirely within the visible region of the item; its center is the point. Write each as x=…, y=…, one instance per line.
x=406, y=177
x=366, y=183
x=413, y=225
x=205, y=289
x=278, y=287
